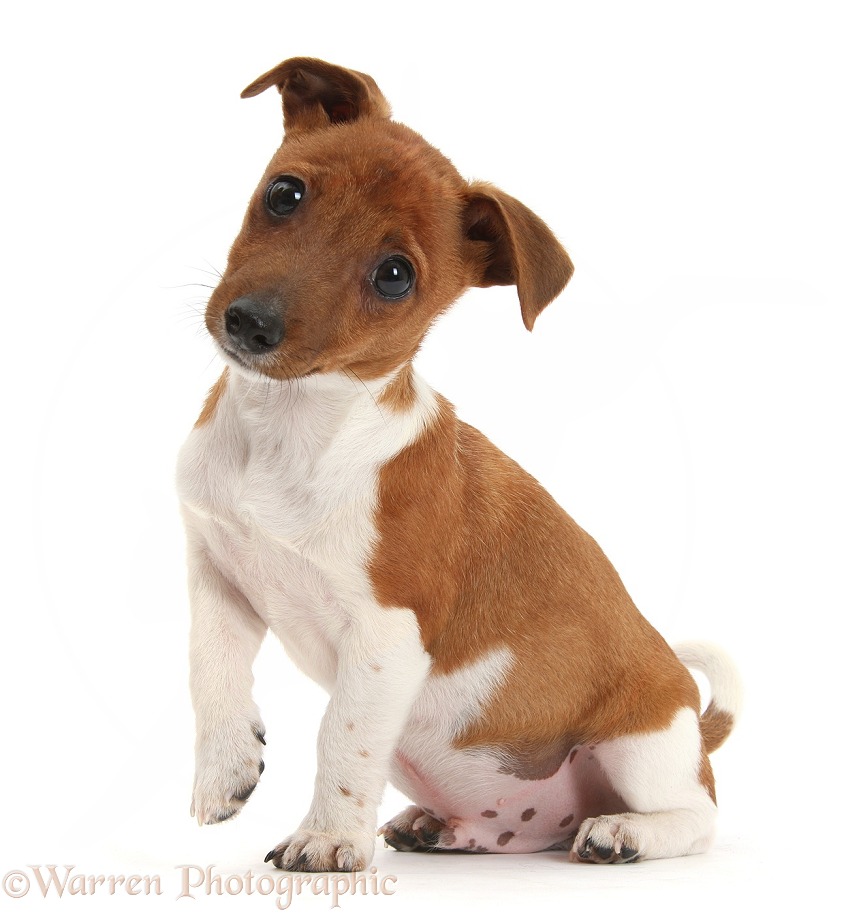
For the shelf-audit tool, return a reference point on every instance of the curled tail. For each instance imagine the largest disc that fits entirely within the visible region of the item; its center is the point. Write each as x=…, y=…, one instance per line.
x=719, y=717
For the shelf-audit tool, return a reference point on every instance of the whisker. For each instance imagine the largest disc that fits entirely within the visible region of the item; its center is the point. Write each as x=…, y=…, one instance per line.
x=212, y=271
x=373, y=398
x=266, y=397
x=215, y=271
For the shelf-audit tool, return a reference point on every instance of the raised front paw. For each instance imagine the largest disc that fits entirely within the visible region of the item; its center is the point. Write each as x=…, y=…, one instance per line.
x=320, y=851
x=227, y=771
x=414, y=830
x=610, y=838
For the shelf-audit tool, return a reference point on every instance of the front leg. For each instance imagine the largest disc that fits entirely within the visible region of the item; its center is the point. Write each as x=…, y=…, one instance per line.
x=226, y=634
x=381, y=667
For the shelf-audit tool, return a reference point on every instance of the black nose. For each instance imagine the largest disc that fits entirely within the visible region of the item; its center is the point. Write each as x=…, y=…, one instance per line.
x=255, y=327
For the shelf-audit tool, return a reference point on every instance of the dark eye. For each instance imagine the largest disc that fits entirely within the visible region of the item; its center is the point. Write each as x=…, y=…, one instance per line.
x=283, y=195
x=393, y=278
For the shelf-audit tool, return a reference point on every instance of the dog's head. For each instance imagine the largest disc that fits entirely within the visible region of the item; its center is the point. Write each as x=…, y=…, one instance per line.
x=360, y=234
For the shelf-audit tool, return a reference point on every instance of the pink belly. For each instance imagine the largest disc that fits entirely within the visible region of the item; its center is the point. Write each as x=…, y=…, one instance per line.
x=486, y=810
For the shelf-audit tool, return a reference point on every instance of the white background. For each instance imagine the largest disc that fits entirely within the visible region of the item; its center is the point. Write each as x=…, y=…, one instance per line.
x=692, y=398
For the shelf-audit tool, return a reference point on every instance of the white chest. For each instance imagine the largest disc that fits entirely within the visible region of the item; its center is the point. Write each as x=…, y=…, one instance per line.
x=281, y=488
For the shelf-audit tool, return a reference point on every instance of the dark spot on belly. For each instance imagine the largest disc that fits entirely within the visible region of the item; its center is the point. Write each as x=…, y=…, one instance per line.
x=529, y=761
x=566, y=821
x=364, y=754
x=528, y=814
x=345, y=791
x=504, y=838
x=489, y=814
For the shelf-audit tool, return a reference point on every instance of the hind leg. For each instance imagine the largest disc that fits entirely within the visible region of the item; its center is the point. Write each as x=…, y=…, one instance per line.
x=664, y=778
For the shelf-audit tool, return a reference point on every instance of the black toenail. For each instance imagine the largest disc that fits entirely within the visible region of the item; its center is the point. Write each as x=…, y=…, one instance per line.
x=300, y=860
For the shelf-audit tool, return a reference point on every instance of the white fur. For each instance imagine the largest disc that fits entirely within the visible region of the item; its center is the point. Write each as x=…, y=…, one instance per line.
x=279, y=490
x=426, y=765
x=657, y=777
x=225, y=637
x=719, y=669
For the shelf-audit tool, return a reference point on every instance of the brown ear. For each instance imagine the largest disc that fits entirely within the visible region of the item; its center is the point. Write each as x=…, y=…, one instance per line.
x=510, y=245
x=315, y=94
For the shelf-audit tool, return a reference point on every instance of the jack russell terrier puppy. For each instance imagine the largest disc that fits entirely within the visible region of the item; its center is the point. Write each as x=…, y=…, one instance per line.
x=480, y=651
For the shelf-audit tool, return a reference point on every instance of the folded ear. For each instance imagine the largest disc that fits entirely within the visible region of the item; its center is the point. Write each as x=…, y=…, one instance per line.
x=315, y=94
x=509, y=245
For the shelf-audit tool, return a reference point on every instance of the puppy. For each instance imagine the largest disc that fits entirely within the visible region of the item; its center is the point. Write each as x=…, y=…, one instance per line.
x=480, y=651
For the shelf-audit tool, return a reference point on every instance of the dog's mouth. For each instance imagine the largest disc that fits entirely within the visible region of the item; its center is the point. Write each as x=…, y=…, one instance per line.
x=243, y=359
x=261, y=365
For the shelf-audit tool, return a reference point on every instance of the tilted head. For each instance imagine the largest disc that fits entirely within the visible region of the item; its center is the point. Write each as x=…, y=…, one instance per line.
x=360, y=234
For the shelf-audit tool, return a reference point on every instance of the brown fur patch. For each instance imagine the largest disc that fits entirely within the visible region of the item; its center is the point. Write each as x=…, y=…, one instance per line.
x=399, y=395
x=212, y=399
x=715, y=726
x=486, y=558
x=315, y=94
x=535, y=762
x=516, y=239
x=707, y=777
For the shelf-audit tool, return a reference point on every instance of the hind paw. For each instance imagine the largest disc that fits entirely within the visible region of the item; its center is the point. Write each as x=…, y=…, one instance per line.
x=610, y=838
x=413, y=830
